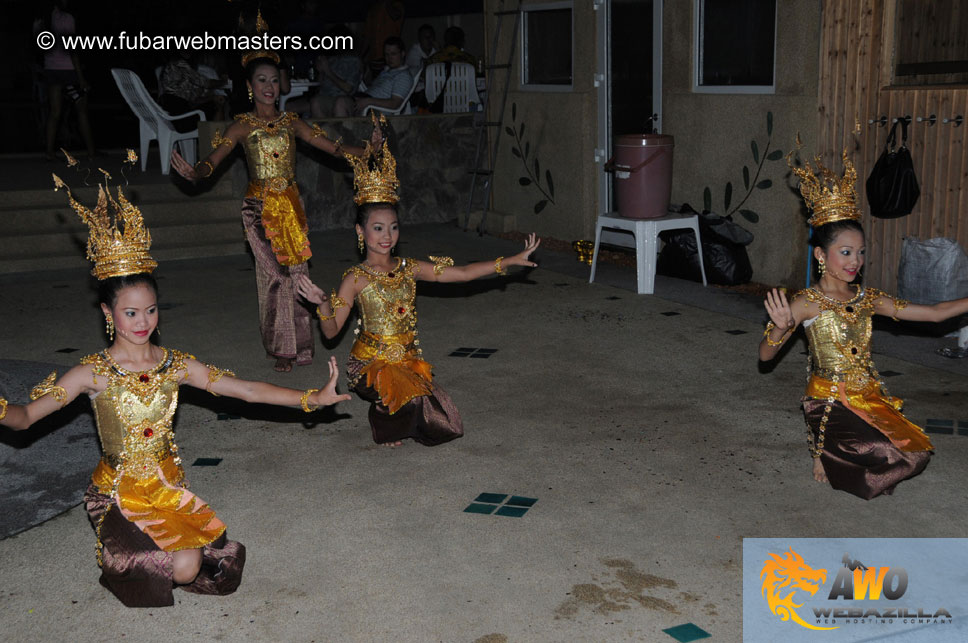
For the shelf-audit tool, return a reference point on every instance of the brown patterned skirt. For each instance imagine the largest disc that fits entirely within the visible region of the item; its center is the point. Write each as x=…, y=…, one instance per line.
x=139, y=573
x=285, y=322
x=428, y=419
x=858, y=458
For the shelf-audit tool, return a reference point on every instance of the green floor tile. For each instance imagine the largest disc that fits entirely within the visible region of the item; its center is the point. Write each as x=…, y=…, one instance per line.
x=513, y=512
x=687, y=632
x=521, y=501
x=475, y=508
x=491, y=497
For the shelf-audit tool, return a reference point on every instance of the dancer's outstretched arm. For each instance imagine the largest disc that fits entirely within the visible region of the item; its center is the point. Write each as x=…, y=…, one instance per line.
x=900, y=309
x=427, y=271
x=211, y=379
x=332, y=311
x=318, y=138
x=206, y=167
x=50, y=396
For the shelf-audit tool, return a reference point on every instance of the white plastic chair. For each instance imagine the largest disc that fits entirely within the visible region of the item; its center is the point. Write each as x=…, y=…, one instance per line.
x=156, y=123
x=646, y=233
x=461, y=88
x=404, y=107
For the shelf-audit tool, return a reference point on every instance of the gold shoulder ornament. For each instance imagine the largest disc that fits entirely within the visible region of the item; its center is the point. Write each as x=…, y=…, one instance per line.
x=48, y=387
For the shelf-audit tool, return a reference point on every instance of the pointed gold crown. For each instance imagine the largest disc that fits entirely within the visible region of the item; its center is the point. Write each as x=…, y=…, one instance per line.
x=374, y=181
x=116, y=250
x=261, y=27
x=827, y=197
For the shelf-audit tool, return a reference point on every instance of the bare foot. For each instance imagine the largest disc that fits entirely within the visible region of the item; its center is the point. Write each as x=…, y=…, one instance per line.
x=818, y=473
x=390, y=444
x=283, y=365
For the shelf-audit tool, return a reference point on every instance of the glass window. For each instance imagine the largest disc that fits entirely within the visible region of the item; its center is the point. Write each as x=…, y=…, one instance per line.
x=735, y=46
x=546, y=50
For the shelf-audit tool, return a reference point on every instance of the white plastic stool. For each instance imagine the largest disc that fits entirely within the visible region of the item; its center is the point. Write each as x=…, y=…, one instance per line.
x=646, y=233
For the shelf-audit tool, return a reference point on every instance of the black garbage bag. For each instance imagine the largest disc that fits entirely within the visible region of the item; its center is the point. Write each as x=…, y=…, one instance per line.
x=723, y=251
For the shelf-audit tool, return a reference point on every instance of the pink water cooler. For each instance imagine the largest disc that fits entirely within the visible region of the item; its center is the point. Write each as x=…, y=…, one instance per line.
x=642, y=167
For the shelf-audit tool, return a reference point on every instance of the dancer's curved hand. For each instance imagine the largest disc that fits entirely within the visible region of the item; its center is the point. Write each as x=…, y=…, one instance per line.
x=523, y=258
x=310, y=291
x=779, y=309
x=328, y=395
x=181, y=166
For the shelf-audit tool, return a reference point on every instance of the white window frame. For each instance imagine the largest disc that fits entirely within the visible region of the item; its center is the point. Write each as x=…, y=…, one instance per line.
x=698, y=58
x=545, y=6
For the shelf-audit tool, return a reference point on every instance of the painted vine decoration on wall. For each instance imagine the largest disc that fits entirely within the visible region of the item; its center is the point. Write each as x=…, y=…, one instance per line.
x=749, y=183
x=522, y=150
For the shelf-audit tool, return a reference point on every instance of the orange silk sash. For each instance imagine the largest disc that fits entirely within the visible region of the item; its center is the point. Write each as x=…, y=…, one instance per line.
x=882, y=413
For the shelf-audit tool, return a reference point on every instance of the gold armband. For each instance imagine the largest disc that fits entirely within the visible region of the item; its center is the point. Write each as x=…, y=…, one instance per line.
x=219, y=140
x=214, y=375
x=317, y=131
x=3, y=408
x=47, y=387
x=336, y=301
x=497, y=266
x=766, y=333
x=442, y=262
x=305, y=400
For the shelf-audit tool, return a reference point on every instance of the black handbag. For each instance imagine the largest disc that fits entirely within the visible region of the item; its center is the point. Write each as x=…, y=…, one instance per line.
x=892, y=187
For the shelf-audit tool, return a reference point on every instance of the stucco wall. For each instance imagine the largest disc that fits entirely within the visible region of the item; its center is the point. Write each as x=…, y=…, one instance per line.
x=713, y=133
x=559, y=130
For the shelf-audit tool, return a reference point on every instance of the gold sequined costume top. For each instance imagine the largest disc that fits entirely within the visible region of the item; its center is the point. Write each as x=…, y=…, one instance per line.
x=388, y=343
x=270, y=149
x=140, y=468
x=841, y=369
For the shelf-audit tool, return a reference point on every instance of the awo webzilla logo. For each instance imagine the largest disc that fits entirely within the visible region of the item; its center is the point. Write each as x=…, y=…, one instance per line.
x=796, y=591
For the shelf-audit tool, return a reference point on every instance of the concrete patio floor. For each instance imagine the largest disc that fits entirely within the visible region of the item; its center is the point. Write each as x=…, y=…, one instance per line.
x=643, y=425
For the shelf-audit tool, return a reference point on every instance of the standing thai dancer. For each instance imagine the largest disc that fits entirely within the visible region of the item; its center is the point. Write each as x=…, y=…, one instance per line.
x=859, y=440
x=385, y=365
x=272, y=211
x=152, y=532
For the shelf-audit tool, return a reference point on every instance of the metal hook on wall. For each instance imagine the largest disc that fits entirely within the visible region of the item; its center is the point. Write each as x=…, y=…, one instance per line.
x=881, y=122
x=902, y=119
x=930, y=120
x=957, y=120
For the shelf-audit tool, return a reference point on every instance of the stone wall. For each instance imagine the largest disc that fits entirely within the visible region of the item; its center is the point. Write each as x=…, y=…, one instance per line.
x=434, y=154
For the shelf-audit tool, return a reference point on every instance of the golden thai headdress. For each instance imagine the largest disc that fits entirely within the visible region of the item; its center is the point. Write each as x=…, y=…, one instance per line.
x=261, y=28
x=375, y=174
x=828, y=197
x=115, y=249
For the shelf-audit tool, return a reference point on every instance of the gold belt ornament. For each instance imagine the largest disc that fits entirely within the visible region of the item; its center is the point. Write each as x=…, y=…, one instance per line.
x=276, y=184
x=389, y=348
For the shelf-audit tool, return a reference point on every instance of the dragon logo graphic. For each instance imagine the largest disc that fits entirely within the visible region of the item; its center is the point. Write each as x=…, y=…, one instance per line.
x=789, y=572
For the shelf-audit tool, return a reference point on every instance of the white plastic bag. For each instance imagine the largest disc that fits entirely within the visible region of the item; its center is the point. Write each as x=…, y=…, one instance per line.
x=932, y=271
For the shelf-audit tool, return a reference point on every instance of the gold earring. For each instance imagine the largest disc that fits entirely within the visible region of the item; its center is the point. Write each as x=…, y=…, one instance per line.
x=360, y=243
x=823, y=267
x=109, y=326
x=251, y=98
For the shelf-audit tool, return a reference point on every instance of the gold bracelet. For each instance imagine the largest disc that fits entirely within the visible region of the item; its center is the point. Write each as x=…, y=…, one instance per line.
x=899, y=305
x=211, y=168
x=323, y=317
x=766, y=333
x=305, y=400
x=338, y=144
x=3, y=408
x=497, y=266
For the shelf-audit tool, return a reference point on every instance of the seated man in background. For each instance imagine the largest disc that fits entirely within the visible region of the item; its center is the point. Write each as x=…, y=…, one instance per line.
x=453, y=51
x=388, y=90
